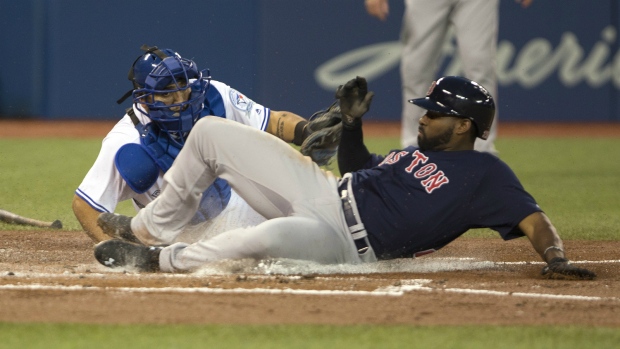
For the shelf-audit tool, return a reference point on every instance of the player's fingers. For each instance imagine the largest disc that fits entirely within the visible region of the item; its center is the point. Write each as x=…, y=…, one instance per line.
x=362, y=85
x=524, y=3
x=377, y=8
x=385, y=10
x=350, y=84
x=368, y=99
x=348, y=89
x=339, y=92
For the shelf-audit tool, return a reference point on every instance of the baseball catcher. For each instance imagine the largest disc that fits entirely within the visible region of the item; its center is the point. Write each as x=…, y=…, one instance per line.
x=170, y=94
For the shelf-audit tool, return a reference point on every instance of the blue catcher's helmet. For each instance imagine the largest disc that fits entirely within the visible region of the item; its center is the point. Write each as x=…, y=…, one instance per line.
x=143, y=65
x=458, y=96
x=173, y=74
x=146, y=63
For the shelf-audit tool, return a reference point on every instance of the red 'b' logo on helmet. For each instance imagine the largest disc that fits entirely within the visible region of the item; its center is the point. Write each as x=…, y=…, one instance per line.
x=430, y=89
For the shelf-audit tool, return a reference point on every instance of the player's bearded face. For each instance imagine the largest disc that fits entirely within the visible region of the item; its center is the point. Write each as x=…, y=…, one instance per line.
x=433, y=133
x=437, y=142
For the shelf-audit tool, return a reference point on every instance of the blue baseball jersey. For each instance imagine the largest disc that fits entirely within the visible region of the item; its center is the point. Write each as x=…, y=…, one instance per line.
x=411, y=201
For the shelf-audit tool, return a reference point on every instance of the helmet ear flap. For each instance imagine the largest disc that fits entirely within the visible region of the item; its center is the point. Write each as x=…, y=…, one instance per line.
x=131, y=77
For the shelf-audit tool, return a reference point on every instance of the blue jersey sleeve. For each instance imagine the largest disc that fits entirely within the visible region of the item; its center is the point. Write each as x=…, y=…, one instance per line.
x=501, y=202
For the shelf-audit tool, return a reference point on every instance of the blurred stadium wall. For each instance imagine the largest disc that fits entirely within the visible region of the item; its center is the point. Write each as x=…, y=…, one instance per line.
x=68, y=59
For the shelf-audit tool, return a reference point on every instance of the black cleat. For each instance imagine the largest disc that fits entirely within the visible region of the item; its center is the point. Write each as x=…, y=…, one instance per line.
x=117, y=226
x=123, y=254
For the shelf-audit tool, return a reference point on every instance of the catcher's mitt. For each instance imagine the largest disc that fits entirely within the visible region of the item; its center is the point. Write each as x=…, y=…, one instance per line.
x=324, y=128
x=559, y=268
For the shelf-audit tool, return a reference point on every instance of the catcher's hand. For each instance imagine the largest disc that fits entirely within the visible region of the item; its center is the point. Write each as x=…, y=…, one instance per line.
x=559, y=268
x=354, y=100
x=117, y=226
x=324, y=128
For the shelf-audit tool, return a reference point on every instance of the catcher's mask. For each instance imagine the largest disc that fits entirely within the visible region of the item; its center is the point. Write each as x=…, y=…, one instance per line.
x=458, y=96
x=172, y=75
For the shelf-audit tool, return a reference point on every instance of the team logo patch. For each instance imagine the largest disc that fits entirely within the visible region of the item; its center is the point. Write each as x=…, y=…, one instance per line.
x=239, y=101
x=430, y=89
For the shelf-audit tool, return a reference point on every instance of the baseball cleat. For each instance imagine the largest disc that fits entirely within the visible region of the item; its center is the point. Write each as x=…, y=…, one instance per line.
x=116, y=226
x=122, y=254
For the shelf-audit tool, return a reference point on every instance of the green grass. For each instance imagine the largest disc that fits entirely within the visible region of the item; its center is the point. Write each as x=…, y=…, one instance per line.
x=39, y=178
x=576, y=181
x=35, y=336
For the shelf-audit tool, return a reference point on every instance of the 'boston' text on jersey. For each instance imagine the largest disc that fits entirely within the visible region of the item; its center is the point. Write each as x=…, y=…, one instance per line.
x=433, y=179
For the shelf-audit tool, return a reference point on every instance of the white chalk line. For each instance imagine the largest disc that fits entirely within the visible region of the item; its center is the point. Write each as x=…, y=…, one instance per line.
x=208, y=290
x=418, y=287
x=407, y=286
x=609, y=261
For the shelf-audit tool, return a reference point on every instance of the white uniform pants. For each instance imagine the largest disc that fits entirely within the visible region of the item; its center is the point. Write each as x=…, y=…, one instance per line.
x=300, y=201
x=237, y=214
x=424, y=29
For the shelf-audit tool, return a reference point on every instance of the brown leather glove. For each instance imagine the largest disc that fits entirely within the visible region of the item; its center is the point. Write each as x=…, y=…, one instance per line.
x=560, y=268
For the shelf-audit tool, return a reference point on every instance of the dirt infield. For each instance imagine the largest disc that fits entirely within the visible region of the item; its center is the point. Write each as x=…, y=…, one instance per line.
x=52, y=276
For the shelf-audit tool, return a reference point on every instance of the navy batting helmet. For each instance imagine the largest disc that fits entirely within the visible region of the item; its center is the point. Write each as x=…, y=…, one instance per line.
x=458, y=96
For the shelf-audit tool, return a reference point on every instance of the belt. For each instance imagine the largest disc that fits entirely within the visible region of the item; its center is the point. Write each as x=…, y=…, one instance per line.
x=354, y=223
